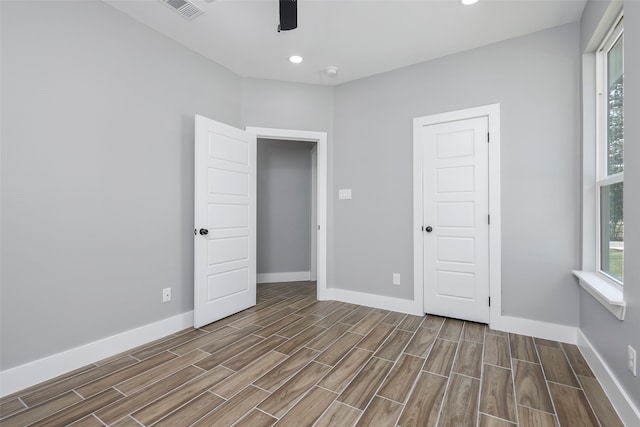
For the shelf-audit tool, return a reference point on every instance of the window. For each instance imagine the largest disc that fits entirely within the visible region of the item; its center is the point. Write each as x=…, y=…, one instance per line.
x=610, y=156
x=602, y=272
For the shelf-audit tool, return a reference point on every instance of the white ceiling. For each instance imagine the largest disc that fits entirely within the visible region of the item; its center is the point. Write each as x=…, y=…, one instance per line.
x=360, y=37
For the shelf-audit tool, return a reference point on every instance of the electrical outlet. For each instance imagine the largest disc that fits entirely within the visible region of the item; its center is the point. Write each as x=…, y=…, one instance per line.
x=396, y=279
x=166, y=295
x=631, y=360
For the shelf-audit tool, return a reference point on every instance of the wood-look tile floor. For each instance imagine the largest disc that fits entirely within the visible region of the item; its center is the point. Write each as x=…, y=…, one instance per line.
x=294, y=361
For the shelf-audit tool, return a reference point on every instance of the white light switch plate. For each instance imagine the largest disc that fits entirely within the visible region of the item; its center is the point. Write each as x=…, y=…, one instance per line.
x=396, y=279
x=344, y=194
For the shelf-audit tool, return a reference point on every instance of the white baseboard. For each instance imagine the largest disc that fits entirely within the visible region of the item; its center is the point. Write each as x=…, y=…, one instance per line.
x=517, y=325
x=375, y=301
x=290, y=276
x=628, y=412
x=536, y=328
x=31, y=373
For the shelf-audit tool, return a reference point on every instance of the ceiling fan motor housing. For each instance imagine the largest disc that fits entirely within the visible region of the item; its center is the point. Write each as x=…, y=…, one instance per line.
x=288, y=15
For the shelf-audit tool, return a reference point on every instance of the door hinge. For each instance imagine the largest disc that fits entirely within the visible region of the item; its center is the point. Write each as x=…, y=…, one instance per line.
x=318, y=227
x=489, y=301
x=488, y=137
x=489, y=219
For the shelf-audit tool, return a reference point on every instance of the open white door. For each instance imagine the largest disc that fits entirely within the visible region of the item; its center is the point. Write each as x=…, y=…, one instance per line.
x=225, y=221
x=456, y=229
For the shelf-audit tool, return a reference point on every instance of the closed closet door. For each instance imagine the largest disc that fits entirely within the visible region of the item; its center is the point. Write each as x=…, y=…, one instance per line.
x=455, y=212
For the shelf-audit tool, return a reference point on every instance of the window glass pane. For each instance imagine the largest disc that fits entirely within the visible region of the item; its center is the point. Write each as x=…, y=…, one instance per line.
x=615, y=107
x=612, y=231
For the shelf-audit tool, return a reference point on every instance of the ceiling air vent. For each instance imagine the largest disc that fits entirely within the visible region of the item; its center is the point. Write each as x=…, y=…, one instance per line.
x=184, y=8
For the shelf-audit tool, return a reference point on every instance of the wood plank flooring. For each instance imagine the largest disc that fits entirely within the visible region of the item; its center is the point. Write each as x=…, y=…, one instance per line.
x=295, y=361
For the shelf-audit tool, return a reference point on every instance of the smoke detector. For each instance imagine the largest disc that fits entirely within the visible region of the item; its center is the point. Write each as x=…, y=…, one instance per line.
x=185, y=8
x=332, y=71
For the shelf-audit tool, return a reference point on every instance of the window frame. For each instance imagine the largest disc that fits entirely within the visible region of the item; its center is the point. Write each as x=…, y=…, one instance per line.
x=603, y=179
x=603, y=289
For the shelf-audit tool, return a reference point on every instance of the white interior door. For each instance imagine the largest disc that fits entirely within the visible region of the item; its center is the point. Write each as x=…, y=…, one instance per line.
x=455, y=212
x=225, y=221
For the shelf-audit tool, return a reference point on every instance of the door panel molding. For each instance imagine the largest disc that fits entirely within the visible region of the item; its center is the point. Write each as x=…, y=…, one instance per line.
x=320, y=138
x=492, y=113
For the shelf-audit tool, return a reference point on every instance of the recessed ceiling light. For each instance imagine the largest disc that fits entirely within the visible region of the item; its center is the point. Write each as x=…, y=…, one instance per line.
x=296, y=59
x=468, y=2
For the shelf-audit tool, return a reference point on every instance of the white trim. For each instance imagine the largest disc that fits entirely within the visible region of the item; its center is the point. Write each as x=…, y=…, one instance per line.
x=611, y=16
x=622, y=403
x=418, y=218
x=492, y=112
x=590, y=240
x=602, y=177
x=321, y=140
x=591, y=86
x=314, y=214
x=611, y=179
x=291, y=276
x=31, y=373
x=375, y=301
x=607, y=293
x=495, y=228
x=536, y=328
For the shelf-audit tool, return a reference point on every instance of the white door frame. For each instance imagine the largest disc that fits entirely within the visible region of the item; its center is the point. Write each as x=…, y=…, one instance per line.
x=313, y=270
x=320, y=138
x=492, y=112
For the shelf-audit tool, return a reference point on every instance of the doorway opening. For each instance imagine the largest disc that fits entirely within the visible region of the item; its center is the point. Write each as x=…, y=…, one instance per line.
x=304, y=230
x=286, y=217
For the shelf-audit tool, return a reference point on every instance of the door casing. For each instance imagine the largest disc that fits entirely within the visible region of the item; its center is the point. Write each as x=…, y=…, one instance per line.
x=320, y=138
x=492, y=112
x=313, y=270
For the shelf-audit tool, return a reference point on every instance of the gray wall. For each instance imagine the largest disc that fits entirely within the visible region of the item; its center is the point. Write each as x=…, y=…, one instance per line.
x=535, y=79
x=273, y=104
x=97, y=173
x=609, y=336
x=284, y=206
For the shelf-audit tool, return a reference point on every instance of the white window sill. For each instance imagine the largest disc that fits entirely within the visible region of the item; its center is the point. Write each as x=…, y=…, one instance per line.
x=605, y=292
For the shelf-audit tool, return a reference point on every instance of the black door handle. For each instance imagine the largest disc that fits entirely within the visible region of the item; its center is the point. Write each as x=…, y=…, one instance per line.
x=203, y=231
x=429, y=229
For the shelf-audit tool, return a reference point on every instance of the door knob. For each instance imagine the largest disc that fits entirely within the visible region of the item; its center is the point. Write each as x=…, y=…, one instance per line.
x=203, y=231
x=429, y=229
